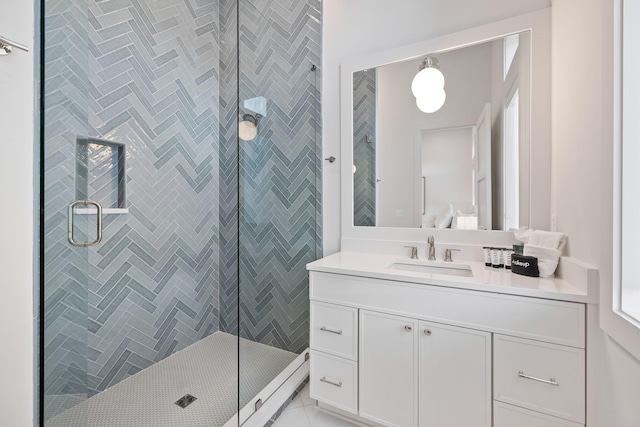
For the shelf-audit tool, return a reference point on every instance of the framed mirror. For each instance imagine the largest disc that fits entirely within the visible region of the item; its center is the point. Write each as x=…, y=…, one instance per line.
x=480, y=161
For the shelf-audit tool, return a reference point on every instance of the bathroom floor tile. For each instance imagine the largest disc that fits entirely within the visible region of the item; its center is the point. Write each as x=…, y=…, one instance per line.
x=296, y=403
x=305, y=398
x=293, y=417
x=319, y=418
x=314, y=417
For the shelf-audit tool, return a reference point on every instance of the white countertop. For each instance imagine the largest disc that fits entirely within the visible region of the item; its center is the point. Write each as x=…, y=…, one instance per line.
x=485, y=279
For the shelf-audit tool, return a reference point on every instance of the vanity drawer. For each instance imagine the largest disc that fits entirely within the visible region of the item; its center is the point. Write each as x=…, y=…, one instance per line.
x=543, y=377
x=334, y=329
x=510, y=416
x=334, y=380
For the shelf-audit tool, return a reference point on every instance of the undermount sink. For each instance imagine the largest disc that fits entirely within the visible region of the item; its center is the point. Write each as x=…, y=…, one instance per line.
x=432, y=267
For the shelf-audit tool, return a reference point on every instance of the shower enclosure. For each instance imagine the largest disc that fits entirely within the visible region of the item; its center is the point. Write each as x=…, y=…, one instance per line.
x=174, y=287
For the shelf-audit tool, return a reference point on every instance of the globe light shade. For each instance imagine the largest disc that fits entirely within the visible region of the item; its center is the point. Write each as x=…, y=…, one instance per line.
x=427, y=80
x=247, y=128
x=432, y=101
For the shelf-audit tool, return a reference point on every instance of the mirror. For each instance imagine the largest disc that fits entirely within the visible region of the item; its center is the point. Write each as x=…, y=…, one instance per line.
x=463, y=166
x=484, y=218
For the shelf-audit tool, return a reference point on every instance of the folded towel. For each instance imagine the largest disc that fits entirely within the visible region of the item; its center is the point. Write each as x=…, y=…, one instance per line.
x=523, y=234
x=547, y=258
x=547, y=239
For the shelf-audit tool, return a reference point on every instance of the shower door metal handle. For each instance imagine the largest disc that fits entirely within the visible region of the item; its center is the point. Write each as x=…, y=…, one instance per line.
x=98, y=223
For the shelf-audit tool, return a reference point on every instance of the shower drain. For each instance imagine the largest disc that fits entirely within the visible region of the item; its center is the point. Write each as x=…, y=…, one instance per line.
x=186, y=400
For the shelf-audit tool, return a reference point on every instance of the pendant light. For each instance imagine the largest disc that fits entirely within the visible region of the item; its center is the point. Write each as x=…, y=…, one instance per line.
x=428, y=86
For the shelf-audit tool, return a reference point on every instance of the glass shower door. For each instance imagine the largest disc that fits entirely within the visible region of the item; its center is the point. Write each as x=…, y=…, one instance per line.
x=66, y=267
x=279, y=189
x=132, y=121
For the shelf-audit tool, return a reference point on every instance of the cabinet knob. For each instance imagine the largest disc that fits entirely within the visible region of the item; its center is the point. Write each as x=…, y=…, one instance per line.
x=408, y=328
x=427, y=332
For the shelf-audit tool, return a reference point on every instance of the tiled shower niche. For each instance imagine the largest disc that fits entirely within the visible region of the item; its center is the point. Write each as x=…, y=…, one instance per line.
x=101, y=173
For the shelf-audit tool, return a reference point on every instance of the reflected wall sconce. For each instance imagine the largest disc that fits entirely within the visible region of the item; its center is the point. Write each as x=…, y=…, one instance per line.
x=248, y=123
x=428, y=86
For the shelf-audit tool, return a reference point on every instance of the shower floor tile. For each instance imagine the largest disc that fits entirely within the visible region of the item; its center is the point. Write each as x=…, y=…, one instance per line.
x=207, y=370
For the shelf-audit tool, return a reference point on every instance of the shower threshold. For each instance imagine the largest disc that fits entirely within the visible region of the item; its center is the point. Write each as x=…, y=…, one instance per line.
x=208, y=370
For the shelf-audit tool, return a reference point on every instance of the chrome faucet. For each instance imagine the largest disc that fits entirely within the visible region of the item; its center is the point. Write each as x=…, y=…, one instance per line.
x=432, y=249
x=414, y=251
x=447, y=254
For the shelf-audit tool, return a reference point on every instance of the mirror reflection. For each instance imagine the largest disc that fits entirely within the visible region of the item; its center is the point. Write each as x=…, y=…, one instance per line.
x=464, y=163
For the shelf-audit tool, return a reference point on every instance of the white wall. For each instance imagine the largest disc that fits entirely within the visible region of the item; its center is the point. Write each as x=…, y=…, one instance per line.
x=16, y=219
x=356, y=27
x=582, y=183
x=399, y=122
x=582, y=134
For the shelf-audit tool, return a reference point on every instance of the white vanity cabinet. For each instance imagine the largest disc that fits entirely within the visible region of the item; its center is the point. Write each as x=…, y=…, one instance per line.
x=454, y=376
x=388, y=369
x=410, y=372
x=415, y=373
x=544, y=377
x=397, y=353
x=334, y=351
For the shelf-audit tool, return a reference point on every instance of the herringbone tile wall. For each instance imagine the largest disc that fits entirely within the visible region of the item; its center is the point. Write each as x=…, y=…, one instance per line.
x=364, y=153
x=229, y=166
x=145, y=73
x=279, y=170
x=66, y=289
x=161, y=76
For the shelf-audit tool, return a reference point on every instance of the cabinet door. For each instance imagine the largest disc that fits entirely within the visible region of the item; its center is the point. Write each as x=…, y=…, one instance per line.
x=388, y=369
x=455, y=376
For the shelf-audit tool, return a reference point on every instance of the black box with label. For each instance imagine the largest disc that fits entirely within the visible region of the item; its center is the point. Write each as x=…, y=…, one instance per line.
x=524, y=265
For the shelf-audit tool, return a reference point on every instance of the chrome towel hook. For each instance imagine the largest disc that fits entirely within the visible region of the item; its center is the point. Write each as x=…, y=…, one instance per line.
x=6, y=46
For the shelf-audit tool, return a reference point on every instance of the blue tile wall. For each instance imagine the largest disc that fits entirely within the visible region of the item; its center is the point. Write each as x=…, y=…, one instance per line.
x=66, y=289
x=162, y=77
x=279, y=170
x=229, y=166
x=364, y=153
x=146, y=73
